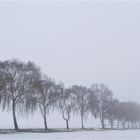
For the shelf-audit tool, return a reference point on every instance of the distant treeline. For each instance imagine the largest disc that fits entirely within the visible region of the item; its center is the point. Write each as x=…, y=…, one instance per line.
x=24, y=89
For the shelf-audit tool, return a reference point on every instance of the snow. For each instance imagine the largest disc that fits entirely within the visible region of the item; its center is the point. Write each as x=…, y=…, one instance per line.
x=80, y=135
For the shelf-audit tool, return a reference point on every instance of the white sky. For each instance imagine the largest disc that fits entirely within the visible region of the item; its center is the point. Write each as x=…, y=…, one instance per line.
x=77, y=42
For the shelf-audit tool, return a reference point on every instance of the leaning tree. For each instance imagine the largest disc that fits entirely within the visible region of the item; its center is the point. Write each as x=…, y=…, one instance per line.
x=16, y=78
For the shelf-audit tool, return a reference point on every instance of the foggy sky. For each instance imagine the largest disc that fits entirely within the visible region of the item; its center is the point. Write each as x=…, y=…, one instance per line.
x=77, y=42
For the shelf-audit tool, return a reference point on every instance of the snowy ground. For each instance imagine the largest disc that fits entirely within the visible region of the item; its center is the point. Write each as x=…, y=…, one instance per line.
x=81, y=135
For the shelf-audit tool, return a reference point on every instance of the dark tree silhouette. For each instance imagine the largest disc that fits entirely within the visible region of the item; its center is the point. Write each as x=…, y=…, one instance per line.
x=16, y=82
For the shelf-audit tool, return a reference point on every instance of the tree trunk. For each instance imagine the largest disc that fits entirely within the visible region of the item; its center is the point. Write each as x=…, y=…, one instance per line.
x=118, y=124
x=67, y=124
x=102, y=118
x=82, y=120
x=132, y=124
x=45, y=123
x=128, y=125
x=66, y=119
x=135, y=125
x=14, y=115
x=111, y=122
x=123, y=124
x=102, y=122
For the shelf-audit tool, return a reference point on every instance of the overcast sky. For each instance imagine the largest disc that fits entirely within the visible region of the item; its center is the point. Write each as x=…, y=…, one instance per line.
x=77, y=42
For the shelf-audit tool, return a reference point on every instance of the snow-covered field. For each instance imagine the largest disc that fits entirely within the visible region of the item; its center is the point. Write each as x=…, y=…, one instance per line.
x=81, y=135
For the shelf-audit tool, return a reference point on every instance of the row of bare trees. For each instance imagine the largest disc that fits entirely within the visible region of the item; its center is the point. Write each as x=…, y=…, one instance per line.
x=24, y=89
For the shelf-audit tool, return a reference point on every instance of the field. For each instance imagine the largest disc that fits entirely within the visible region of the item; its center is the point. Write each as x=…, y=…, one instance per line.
x=76, y=135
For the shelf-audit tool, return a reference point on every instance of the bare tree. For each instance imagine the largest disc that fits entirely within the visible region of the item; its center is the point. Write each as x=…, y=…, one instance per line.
x=112, y=110
x=93, y=103
x=103, y=95
x=45, y=95
x=66, y=104
x=80, y=95
x=16, y=81
x=128, y=113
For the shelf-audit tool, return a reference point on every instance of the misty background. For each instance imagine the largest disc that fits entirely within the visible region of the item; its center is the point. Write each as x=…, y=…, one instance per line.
x=76, y=43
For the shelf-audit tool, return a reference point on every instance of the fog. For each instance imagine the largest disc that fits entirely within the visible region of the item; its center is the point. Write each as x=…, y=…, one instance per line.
x=77, y=42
